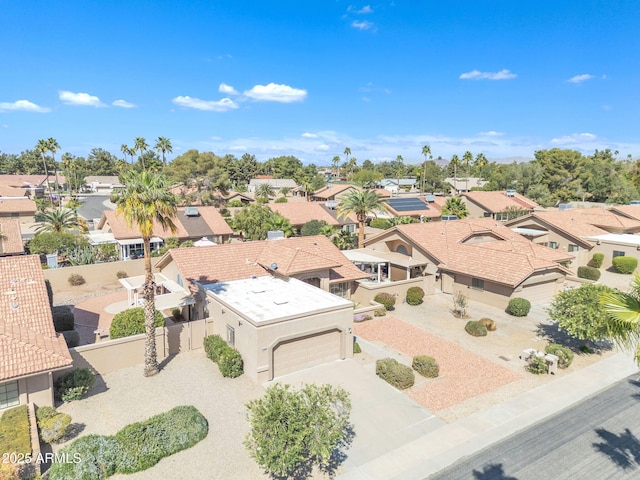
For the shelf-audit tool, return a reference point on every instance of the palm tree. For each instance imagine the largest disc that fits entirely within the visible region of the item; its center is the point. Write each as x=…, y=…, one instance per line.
x=145, y=201
x=140, y=146
x=455, y=161
x=60, y=220
x=480, y=162
x=361, y=203
x=42, y=147
x=278, y=222
x=335, y=161
x=70, y=166
x=53, y=146
x=426, y=151
x=466, y=158
x=455, y=206
x=624, y=316
x=265, y=190
x=125, y=151
x=328, y=230
x=347, y=152
x=163, y=145
x=344, y=240
x=284, y=191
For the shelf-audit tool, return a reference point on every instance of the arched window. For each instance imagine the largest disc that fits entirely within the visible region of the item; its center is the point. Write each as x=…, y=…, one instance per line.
x=402, y=249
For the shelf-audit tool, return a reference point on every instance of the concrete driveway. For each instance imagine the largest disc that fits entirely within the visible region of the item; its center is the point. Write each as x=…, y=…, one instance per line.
x=383, y=418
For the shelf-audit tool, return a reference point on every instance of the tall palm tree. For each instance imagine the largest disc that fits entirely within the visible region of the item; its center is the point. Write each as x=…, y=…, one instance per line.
x=467, y=158
x=335, y=161
x=361, y=203
x=140, y=146
x=70, y=168
x=347, y=152
x=624, y=316
x=145, y=201
x=42, y=147
x=61, y=220
x=455, y=161
x=426, y=152
x=53, y=146
x=480, y=162
x=163, y=145
x=125, y=151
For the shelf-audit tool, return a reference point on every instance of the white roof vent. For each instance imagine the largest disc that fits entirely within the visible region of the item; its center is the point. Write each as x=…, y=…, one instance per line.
x=430, y=198
x=191, y=211
x=275, y=235
x=511, y=193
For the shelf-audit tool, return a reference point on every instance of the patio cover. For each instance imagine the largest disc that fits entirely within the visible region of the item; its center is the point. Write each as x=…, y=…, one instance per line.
x=178, y=296
x=364, y=255
x=204, y=242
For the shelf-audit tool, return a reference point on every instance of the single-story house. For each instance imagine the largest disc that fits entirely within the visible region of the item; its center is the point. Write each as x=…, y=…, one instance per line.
x=501, y=205
x=395, y=185
x=8, y=191
x=276, y=183
x=300, y=213
x=479, y=257
x=30, y=348
x=581, y=232
x=332, y=192
x=23, y=209
x=280, y=324
x=102, y=183
x=34, y=183
x=220, y=198
x=425, y=208
x=461, y=185
x=192, y=223
x=10, y=237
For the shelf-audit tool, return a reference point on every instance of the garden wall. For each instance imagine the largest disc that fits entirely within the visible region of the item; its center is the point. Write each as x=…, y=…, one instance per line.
x=366, y=291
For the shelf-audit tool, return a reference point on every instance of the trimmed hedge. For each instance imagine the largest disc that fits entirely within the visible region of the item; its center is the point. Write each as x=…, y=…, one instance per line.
x=72, y=337
x=52, y=425
x=131, y=322
x=214, y=345
x=476, y=329
x=590, y=273
x=228, y=358
x=74, y=385
x=386, y=299
x=63, y=318
x=625, y=265
x=426, y=366
x=394, y=373
x=597, y=259
x=519, y=307
x=136, y=447
x=489, y=324
x=415, y=295
x=564, y=354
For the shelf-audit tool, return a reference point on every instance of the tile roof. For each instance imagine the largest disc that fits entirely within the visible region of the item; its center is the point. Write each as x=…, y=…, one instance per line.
x=630, y=211
x=25, y=206
x=12, y=243
x=28, y=341
x=434, y=209
x=30, y=180
x=495, y=202
x=7, y=190
x=333, y=190
x=299, y=213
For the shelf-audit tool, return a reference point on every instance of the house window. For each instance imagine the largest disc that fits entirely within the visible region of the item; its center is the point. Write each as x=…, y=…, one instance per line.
x=477, y=283
x=15, y=214
x=553, y=245
x=9, y=395
x=402, y=249
x=573, y=248
x=340, y=289
x=231, y=336
x=618, y=253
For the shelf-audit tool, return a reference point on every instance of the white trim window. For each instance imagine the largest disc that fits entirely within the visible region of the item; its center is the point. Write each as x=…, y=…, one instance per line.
x=9, y=395
x=340, y=289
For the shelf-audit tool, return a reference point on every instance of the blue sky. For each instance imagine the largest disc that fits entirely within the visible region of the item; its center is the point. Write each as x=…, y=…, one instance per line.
x=308, y=78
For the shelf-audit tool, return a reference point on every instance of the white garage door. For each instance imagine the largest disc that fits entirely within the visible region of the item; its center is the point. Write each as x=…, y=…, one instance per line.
x=305, y=352
x=539, y=293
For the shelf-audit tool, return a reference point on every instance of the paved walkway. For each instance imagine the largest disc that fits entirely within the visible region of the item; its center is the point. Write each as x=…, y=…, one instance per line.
x=442, y=447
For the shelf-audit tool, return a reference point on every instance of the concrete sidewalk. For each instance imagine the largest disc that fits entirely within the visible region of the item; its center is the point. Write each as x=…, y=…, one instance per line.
x=442, y=447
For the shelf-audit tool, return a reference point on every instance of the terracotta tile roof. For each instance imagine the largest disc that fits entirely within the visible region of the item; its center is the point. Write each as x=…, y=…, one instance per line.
x=333, y=190
x=28, y=341
x=299, y=213
x=30, y=180
x=383, y=192
x=12, y=244
x=630, y=211
x=7, y=190
x=495, y=202
x=215, y=221
x=24, y=206
x=434, y=209
x=224, y=263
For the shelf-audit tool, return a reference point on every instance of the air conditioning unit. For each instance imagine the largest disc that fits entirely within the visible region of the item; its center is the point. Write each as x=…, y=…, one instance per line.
x=430, y=198
x=564, y=206
x=191, y=211
x=511, y=193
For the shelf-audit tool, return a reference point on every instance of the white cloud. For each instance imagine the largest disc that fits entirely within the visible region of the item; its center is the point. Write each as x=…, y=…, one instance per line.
x=580, y=78
x=238, y=148
x=309, y=135
x=208, y=105
x=80, y=99
x=323, y=148
x=363, y=25
x=22, y=105
x=478, y=75
x=366, y=9
x=274, y=92
x=492, y=133
x=227, y=89
x=574, y=138
x=123, y=104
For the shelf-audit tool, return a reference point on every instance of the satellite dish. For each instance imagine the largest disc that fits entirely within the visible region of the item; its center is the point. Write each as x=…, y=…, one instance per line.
x=273, y=266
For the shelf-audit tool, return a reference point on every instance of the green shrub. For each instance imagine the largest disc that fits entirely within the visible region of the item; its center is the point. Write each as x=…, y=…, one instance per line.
x=76, y=279
x=98, y=459
x=131, y=322
x=47, y=284
x=214, y=345
x=380, y=223
x=590, y=273
x=72, y=337
x=14, y=431
x=519, y=307
x=74, y=385
x=230, y=363
x=394, y=373
x=54, y=428
x=536, y=365
x=564, y=354
x=356, y=347
x=586, y=349
x=224, y=212
x=477, y=329
x=426, y=366
x=415, y=295
x=234, y=203
x=380, y=312
x=122, y=274
x=177, y=315
x=44, y=413
x=625, y=265
x=386, y=299
x=489, y=324
x=312, y=227
x=62, y=318
x=597, y=259
x=281, y=200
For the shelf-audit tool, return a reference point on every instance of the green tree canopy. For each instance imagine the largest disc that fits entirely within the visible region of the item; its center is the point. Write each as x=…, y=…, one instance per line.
x=253, y=221
x=455, y=206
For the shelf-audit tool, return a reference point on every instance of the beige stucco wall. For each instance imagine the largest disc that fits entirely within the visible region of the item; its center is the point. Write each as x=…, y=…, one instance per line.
x=475, y=211
x=607, y=249
x=36, y=389
x=366, y=291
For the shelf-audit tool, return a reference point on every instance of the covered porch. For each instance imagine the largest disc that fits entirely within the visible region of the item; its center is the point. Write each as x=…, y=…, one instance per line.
x=385, y=267
x=168, y=294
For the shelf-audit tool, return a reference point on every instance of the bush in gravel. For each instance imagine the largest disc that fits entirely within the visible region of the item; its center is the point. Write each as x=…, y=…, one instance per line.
x=230, y=363
x=519, y=307
x=44, y=413
x=76, y=279
x=98, y=459
x=214, y=345
x=72, y=337
x=52, y=425
x=394, y=373
x=489, y=324
x=356, y=348
x=131, y=322
x=426, y=366
x=476, y=329
x=379, y=312
x=590, y=273
x=564, y=354
x=415, y=296
x=536, y=365
x=62, y=318
x=386, y=299
x=121, y=274
x=597, y=259
x=625, y=265
x=74, y=385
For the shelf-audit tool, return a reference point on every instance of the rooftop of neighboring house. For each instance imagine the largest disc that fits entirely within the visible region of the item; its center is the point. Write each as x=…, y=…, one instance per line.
x=28, y=341
x=102, y=179
x=30, y=180
x=481, y=248
x=403, y=182
x=184, y=190
x=629, y=211
x=429, y=206
x=332, y=190
x=24, y=206
x=190, y=222
x=6, y=190
x=274, y=182
x=300, y=213
x=498, y=201
x=228, y=262
x=463, y=184
x=11, y=237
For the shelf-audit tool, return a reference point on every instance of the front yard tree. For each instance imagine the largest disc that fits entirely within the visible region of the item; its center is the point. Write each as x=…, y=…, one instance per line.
x=361, y=203
x=62, y=220
x=623, y=309
x=144, y=201
x=293, y=429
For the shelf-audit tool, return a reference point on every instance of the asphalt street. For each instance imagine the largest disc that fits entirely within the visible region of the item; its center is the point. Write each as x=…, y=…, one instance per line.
x=597, y=438
x=92, y=206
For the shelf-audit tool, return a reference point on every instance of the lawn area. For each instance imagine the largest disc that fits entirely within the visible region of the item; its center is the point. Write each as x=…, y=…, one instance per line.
x=14, y=431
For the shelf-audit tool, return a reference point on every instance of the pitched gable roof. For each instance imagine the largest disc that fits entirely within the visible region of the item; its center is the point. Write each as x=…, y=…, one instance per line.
x=24, y=206
x=495, y=202
x=11, y=243
x=333, y=190
x=299, y=213
x=28, y=341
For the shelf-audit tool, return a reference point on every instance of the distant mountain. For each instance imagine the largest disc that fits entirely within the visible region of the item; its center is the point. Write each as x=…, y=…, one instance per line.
x=511, y=159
